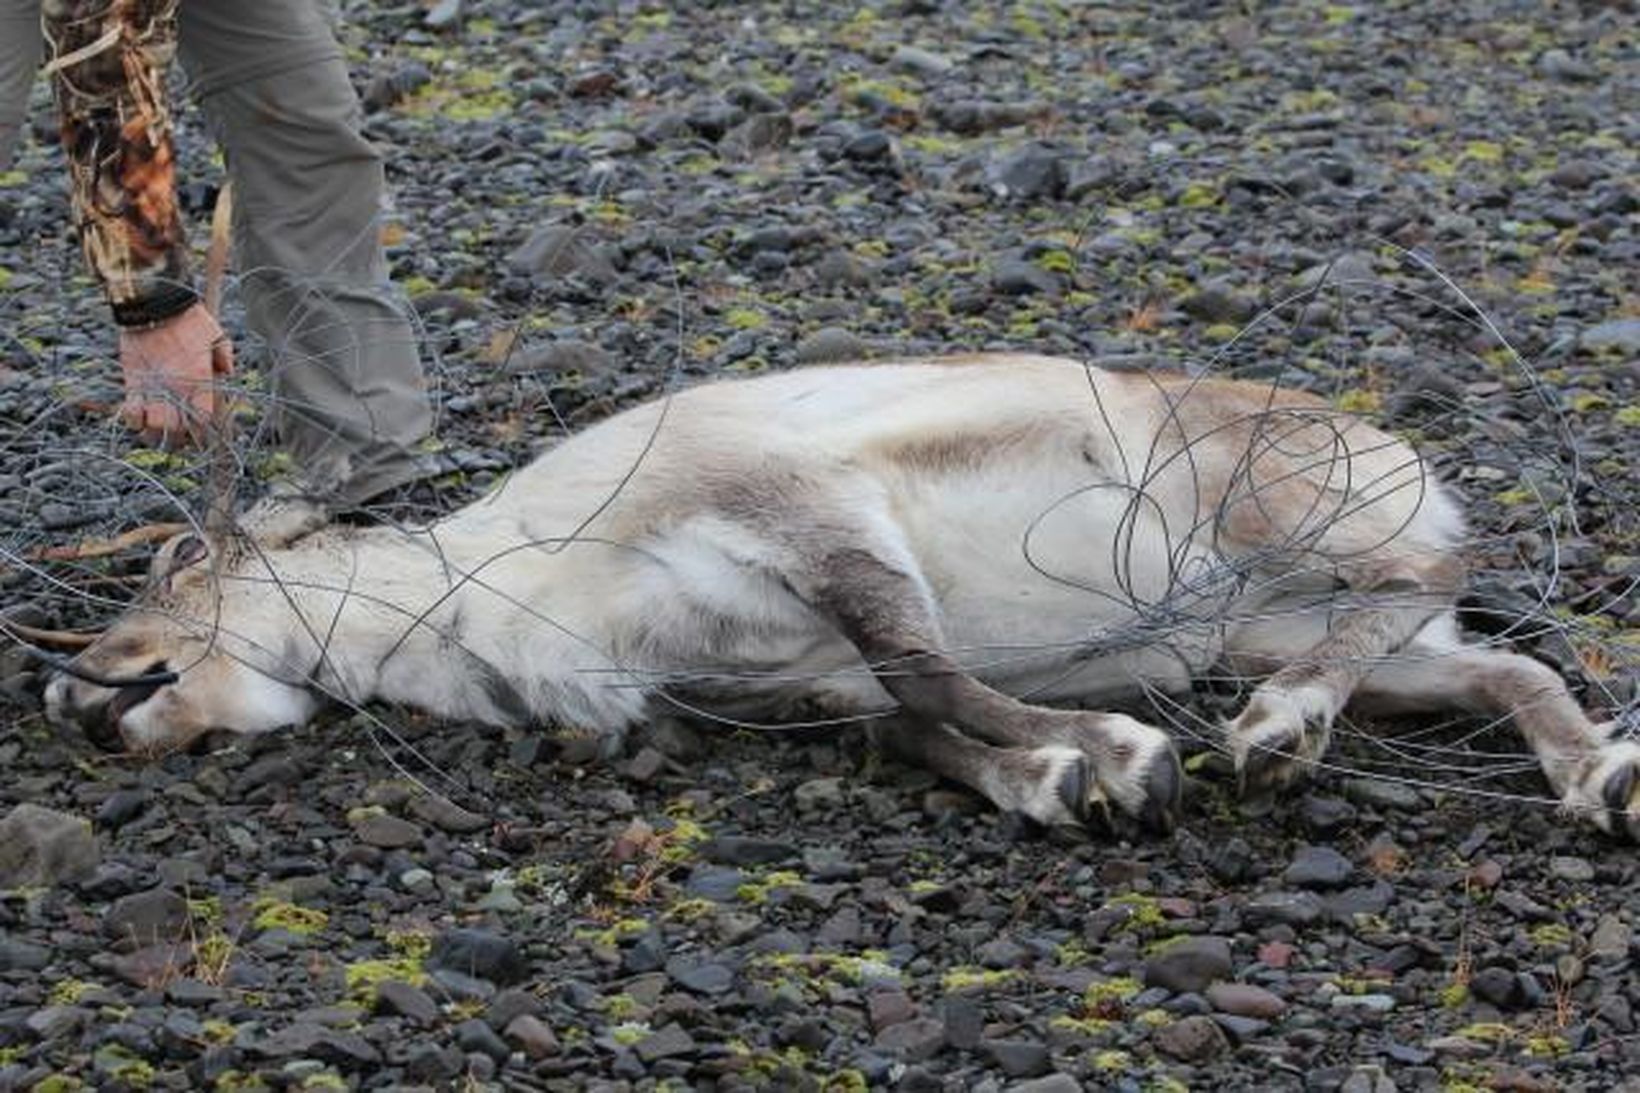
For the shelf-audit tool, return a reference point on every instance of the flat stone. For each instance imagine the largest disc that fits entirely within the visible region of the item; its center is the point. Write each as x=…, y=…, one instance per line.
x=1286, y=908
x=886, y=1008
x=1615, y=335
x=706, y=978
x=406, y=1000
x=446, y=815
x=1611, y=939
x=1376, y=793
x=146, y=918
x=533, y=1035
x=40, y=847
x=475, y=1035
x=1193, y=1040
x=1372, y=1003
x=1053, y=1083
x=714, y=882
x=831, y=345
x=665, y=1043
x=480, y=953
x=745, y=850
x=1246, y=1000
x=315, y=1041
x=387, y=832
x=914, y=1040
x=1188, y=966
x=1019, y=1058
x=17, y=955
x=1578, y=870
x=1318, y=867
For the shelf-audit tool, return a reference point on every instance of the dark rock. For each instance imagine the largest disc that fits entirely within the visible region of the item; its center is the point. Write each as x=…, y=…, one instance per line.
x=446, y=815
x=1499, y=986
x=1326, y=815
x=714, y=882
x=1033, y=172
x=387, y=832
x=1318, y=867
x=1219, y=302
x=1246, y=1000
x=914, y=1040
x=474, y=1035
x=708, y=978
x=1287, y=908
x=533, y=1036
x=1377, y=793
x=407, y=1000
x=40, y=847
x=1018, y=1058
x=305, y=1039
x=1620, y=336
x=745, y=850
x=480, y=953
x=1189, y=965
x=665, y=1043
x=1017, y=277
x=889, y=1007
x=1195, y=1040
x=831, y=345
x=1232, y=861
x=121, y=807
x=147, y=918
x=964, y=1021
x=557, y=250
x=17, y=955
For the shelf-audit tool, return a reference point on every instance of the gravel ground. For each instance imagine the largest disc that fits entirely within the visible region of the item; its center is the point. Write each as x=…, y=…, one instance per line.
x=1397, y=205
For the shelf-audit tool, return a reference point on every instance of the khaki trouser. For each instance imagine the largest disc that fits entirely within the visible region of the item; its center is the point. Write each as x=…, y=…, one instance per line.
x=350, y=401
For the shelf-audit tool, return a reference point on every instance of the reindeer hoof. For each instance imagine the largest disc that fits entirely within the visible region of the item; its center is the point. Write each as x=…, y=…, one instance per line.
x=1063, y=788
x=1610, y=795
x=1164, y=786
x=1277, y=740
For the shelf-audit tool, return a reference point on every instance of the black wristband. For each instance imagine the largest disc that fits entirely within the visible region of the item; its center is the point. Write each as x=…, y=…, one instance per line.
x=166, y=302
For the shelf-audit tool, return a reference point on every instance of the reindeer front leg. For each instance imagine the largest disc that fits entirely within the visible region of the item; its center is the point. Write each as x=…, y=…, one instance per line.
x=1286, y=726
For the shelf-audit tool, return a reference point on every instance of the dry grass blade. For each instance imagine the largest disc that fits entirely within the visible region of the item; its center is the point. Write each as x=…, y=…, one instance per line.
x=102, y=548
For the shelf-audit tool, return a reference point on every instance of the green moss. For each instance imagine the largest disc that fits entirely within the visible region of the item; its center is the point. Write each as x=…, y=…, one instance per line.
x=1358, y=400
x=1588, y=403
x=1628, y=416
x=844, y=1081
x=1547, y=1046
x=1552, y=935
x=1082, y=1026
x=325, y=1079
x=236, y=1081
x=969, y=978
x=58, y=1083
x=1111, y=1062
x=66, y=992
x=1154, y=1018
x=757, y=891
x=275, y=914
x=1119, y=989
x=1221, y=332
x=1487, y=1032
x=1199, y=195
x=1057, y=261
x=1454, y=995
x=1483, y=151
x=363, y=977
x=1517, y=496
x=629, y=1033
x=744, y=318
x=1144, y=913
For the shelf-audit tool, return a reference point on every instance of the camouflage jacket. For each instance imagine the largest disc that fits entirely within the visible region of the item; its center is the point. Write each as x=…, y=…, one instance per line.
x=108, y=61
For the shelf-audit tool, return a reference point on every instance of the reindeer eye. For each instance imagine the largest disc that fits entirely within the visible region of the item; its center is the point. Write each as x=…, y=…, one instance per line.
x=190, y=550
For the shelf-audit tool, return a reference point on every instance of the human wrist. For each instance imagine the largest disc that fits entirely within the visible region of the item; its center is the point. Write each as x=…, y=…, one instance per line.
x=155, y=308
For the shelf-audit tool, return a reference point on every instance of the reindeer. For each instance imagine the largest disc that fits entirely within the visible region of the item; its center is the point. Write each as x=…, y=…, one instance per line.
x=987, y=553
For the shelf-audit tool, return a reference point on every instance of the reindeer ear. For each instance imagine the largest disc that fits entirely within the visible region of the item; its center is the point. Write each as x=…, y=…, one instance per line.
x=278, y=521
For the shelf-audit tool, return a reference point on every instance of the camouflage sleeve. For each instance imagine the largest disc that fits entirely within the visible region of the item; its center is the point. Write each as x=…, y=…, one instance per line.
x=108, y=61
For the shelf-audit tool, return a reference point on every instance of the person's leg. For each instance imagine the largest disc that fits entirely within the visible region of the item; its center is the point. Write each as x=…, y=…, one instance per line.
x=19, y=61
x=308, y=201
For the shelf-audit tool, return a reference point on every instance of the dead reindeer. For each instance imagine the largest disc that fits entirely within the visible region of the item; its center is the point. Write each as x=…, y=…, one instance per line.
x=971, y=545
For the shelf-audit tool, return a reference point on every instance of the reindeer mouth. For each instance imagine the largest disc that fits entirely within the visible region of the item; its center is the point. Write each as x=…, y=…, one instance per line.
x=126, y=699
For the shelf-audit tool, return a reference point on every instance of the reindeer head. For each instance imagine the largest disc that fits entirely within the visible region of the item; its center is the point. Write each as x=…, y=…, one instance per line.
x=199, y=651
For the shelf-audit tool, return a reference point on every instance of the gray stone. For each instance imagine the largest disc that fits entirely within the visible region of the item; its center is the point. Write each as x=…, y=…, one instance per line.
x=146, y=918
x=442, y=14
x=305, y=1039
x=889, y=1007
x=1019, y=1058
x=1611, y=938
x=533, y=1036
x=1318, y=867
x=1578, y=870
x=1219, y=302
x=564, y=357
x=17, y=955
x=1246, y=1000
x=406, y=1000
x=558, y=250
x=830, y=345
x=706, y=978
x=1558, y=64
x=714, y=882
x=387, y=832
x=1366, y=1078
x=1614, y=335
x=922, y=62
x=1286, y=908
x=665, y=1043
x=40, y=847
x=1001, y=952
x=1029, y=173
x=1193, y=1040
x=914, y=1040
x=474, y=1035
x=1017, y=277
x=480, y=953
x=819, y=794
x=1376, y=793
x=1189, y=965
x=1371, y=1003
x=446, y=815
x=1053, y=1083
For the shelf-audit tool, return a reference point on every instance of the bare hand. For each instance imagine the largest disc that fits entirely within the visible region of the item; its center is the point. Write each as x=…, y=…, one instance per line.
x=170, y=377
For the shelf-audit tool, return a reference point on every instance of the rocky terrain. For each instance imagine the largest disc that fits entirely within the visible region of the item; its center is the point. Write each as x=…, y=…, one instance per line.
x=1426, y=212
